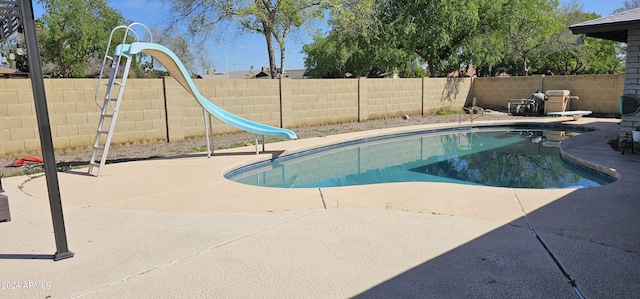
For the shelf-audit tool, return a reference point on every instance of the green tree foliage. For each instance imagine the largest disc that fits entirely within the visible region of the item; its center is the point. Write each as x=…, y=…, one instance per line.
x=531, y=28
x=293, y=15
x=339, y=55
x=73, y=35
x=330, y=57
x=522, y=51
x=519, y=37
x=356, y=17
x=513, y=36
x=433, y=29
x=372, y=37
x=486, y=47
x=594, y=56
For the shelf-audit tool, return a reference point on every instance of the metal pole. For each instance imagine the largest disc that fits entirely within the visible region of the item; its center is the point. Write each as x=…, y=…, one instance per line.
x=44, y=127
x=226, y=59
x=206, y=132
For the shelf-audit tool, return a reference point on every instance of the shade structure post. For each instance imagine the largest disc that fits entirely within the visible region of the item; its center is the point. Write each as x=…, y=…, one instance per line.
x=44, y=128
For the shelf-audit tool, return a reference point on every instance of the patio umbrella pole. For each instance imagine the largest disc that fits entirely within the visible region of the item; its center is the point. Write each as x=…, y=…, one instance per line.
x=44, y=128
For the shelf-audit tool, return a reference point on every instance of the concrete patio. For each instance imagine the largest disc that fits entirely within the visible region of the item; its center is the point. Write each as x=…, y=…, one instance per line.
x=176, y=228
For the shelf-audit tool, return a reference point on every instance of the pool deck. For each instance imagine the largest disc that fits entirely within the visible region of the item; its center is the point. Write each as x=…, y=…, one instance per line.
x=175, y=228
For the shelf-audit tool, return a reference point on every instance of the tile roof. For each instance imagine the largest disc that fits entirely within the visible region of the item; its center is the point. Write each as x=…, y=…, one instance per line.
x=625, y=16
x=6, y=70
x=613, y=27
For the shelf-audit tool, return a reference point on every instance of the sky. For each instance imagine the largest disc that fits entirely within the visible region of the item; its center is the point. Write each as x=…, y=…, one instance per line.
x=240, y=53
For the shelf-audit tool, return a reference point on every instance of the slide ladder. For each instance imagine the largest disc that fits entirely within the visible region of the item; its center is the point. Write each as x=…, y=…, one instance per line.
x=120, y=64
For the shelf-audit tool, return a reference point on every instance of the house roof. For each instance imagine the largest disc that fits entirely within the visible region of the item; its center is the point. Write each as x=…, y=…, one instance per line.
x=614, y=27
x=253, y=74
x=6, y=70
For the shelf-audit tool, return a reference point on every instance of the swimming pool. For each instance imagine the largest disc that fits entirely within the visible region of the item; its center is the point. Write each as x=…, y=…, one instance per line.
x=514, y=156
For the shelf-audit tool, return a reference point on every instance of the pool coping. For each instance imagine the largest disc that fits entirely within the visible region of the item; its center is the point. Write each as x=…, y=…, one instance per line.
x=176, y=226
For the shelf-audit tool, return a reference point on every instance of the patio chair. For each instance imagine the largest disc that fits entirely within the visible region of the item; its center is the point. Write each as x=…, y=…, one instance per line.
x=629, y=104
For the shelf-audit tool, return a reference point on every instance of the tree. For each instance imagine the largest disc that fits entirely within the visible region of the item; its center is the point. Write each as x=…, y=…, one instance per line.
x=356, y=17
x=266, y=17
x=74, y=32
x=435, y=30
x=631, y=4
x=293, y=15
x=338, y=56
x=345, y=55
x=179, y=44
x=400, y=30
x=594, y=56
x=530, y=30
x=514, y=36
x=486, y=47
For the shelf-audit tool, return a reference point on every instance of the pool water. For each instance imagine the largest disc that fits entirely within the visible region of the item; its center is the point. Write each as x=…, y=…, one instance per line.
x=517, y=157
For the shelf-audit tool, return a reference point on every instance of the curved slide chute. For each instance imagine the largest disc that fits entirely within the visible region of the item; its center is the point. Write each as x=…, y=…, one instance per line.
x=177, y=70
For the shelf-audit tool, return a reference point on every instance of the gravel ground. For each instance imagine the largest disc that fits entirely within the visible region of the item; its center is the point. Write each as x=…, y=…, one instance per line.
x=159, y=150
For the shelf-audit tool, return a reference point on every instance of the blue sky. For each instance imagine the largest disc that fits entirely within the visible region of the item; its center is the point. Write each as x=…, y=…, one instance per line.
x=250, y=50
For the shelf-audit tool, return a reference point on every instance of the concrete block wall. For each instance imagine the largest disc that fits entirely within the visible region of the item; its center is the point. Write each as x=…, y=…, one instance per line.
x=18, y=125
x=256, y=100
x=446, y=93
x=142, y=116
x=74, y=115
x=599, y=94
x=495, y=92
x=318, y=102
x=390, y=97
x=156, y=110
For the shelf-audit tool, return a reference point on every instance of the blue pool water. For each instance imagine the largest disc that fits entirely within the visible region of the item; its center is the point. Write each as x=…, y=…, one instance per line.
x=517, y=157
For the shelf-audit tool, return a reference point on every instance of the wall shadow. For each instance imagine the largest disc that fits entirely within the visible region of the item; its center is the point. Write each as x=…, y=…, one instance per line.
x=591, y=232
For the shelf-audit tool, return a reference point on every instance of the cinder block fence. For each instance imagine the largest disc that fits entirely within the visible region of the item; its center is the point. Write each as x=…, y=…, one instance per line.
x=160, y=110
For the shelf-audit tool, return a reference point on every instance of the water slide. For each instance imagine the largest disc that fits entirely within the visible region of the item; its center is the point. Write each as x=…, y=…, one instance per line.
x=177, y=70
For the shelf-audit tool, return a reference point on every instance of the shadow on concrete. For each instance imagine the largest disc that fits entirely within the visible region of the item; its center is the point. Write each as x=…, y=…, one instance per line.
x=592, y=240
x=586, y=243
x=26, y=256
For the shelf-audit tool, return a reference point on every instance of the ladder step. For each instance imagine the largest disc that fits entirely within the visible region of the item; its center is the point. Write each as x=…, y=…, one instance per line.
x=120, y=64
